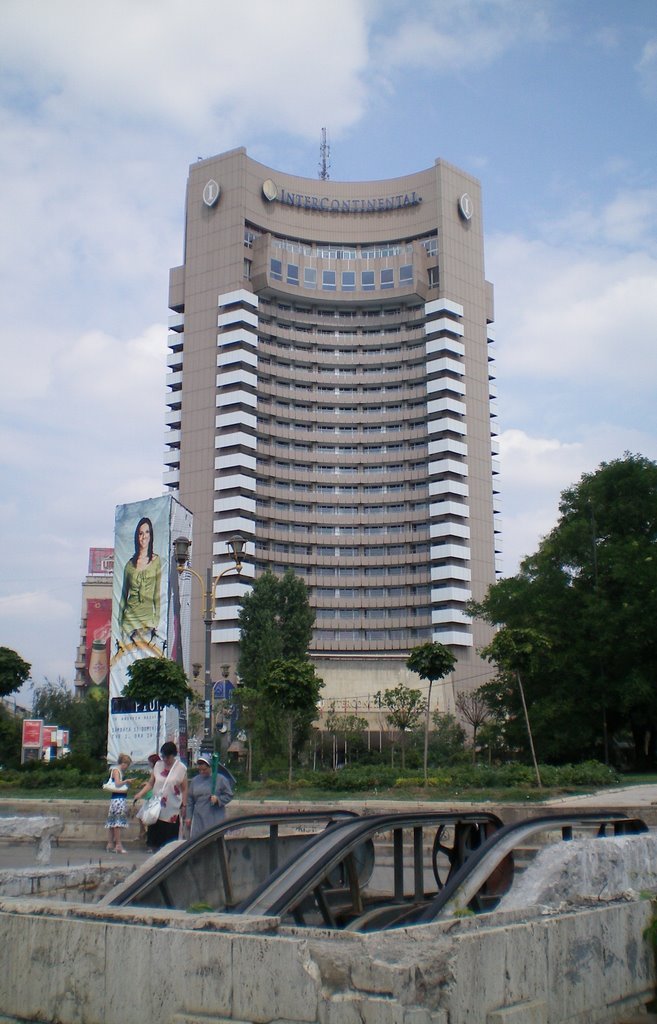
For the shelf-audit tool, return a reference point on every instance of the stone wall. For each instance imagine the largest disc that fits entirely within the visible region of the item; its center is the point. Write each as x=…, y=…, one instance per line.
x=84, y=820
x=88, y=965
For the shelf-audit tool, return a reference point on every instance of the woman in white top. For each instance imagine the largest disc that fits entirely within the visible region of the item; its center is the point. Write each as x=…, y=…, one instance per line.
x=168, y=780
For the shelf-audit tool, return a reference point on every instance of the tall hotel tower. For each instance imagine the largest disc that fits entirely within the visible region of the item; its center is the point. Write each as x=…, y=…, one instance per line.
x=329, y=399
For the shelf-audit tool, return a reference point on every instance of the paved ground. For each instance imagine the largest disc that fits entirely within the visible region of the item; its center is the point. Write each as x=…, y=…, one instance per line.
x=629, y=796
x=23, y=855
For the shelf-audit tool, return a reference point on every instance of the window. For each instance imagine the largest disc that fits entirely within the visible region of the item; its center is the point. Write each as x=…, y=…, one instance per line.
x=309, y=277
x=367, y=280
x=328, y=280
x=276, y=270
x=246, y=271
x=292, y=274
x=406, y=274
x=433, y=277
x=387, y=279
x=348, y=281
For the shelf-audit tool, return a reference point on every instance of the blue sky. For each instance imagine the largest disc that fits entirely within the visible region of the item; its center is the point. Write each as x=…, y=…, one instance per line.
x=551, y=103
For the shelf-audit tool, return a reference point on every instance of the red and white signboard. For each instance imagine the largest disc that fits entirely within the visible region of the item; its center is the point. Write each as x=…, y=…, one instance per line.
x=49, y=736
x=32, y=732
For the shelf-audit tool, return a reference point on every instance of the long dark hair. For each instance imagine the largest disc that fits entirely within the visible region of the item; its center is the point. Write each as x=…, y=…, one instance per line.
x=144, y=520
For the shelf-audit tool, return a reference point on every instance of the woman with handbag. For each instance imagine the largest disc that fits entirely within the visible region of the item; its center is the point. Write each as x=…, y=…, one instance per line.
x=168, y=781
x=117, y=817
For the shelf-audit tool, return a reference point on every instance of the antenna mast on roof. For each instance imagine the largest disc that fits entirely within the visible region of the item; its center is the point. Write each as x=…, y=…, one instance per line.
x=324, y=157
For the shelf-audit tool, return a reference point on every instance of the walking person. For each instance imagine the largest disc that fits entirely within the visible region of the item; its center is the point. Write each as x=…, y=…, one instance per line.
x=206, y=803
x=117, y=816
x=168, y=780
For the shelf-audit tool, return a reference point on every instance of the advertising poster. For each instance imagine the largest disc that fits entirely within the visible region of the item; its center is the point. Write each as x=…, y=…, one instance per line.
x=31, y=741
x=150, y=619
x=32, y=732
x=101, y=561
x=99, y=627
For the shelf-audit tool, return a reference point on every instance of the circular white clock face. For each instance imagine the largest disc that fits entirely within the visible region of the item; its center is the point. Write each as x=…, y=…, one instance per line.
x=466, y=206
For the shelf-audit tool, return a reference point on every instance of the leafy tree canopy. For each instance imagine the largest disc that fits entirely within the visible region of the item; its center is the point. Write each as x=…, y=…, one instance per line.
x=85, y=718
x=431, y=661
x=405, y=707
x=158, y=679
x=276, y=622
x=346, y=723
x=13, y=671
x=591, y=590
x=293, y=687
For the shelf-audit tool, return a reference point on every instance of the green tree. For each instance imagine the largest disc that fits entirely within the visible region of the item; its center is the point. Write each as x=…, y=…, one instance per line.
x=261, y=641
x=515, y=652
x=293, y=686
x=591, y=589
x=13, y=671
x=473, y=706
x=275, y=622
x=351, y=726
x=430, y=661
x=405, y=708
x=447, y=739
x=158, y=680
x=10, y=739
x=85, y=717
x=295, y=616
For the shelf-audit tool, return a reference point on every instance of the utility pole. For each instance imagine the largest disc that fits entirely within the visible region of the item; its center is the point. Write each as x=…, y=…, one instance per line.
x=324, y=157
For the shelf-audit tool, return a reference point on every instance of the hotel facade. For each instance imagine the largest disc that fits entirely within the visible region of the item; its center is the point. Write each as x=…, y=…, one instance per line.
x=329, y=398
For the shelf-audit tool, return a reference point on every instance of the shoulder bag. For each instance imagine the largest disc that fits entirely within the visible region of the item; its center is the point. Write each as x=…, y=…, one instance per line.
x=112, y=787
x=150, y=812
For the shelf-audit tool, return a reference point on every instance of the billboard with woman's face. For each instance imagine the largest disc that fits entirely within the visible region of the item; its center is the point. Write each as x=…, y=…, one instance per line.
x=150, y=617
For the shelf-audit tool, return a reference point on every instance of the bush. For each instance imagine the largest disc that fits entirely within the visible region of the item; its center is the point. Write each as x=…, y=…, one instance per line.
x=368, y=778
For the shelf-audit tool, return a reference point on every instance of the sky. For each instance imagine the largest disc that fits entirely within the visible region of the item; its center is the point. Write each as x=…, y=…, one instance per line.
x=551, y=103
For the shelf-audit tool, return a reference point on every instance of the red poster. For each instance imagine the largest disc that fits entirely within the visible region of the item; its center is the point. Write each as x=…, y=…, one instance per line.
x=49, y=736
x=99, y=627
x=32, y=732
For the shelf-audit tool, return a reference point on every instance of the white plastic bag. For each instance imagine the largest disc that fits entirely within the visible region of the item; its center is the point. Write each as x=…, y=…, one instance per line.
x=150, y=812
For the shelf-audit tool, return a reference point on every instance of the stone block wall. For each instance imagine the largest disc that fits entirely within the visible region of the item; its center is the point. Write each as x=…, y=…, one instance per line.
x=92, y=965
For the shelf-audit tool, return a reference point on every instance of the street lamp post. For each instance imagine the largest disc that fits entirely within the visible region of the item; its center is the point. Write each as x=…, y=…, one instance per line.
x=181, y=548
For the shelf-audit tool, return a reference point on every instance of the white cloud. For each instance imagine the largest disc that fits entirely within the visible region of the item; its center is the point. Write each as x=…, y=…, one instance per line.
x=98, y=368
x=576, y=357
x=531, y=461
x=535, y=470
x=575, y=314
x=197, y=65
x=646, y=68
x=36, y=606
x=626, y=221
x=459, y=35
